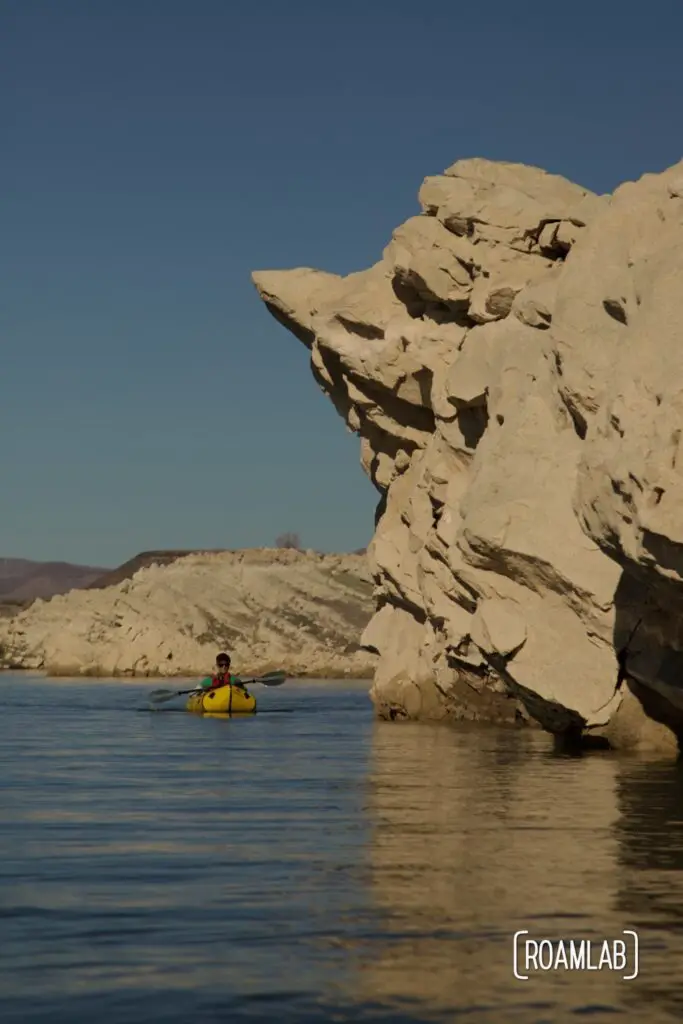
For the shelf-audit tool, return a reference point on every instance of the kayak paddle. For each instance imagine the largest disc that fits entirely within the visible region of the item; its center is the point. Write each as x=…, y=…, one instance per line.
x=269, y=679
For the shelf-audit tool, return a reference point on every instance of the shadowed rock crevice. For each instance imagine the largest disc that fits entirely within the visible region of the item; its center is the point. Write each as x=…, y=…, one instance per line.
x=512, y=368
x=473, y=422
x=406, y=415
x=366, y=331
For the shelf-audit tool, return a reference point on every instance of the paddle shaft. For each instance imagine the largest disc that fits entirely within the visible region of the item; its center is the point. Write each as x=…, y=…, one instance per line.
x=269, y=679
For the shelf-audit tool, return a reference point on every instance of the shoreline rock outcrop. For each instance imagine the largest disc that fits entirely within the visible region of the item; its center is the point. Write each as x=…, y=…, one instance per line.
x=511, y=367
x=303, y=612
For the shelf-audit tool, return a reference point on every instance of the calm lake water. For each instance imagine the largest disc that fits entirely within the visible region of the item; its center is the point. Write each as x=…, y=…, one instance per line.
x=310, y=864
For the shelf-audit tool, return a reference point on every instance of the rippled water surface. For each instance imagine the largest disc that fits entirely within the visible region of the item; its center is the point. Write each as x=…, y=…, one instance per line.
x=311, y=864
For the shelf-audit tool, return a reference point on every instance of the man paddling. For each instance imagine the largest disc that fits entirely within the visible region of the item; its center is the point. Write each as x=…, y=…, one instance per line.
x=222, y=676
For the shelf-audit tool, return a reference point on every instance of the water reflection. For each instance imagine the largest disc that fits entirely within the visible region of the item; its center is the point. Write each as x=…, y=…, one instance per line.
x=480, y=833
x=318, y=866
x=650, y=890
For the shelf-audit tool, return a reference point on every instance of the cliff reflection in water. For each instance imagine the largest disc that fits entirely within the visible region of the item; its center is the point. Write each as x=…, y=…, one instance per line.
x=650, y=874
x=479, y=833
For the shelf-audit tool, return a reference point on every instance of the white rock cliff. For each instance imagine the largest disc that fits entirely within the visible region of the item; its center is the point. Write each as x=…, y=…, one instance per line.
x=299, y=611
x=512, y=366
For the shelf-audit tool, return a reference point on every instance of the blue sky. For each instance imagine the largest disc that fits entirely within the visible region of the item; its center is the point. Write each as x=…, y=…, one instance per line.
x=155, y=152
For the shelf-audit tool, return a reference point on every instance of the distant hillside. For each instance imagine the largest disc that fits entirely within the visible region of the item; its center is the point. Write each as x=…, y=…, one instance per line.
x=110, y=577
x=271, y=608
x=24, y=580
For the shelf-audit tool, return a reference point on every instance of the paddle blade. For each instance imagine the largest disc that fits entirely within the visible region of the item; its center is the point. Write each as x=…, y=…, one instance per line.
x=159, y=696
x=272, y=679
x=269, y=679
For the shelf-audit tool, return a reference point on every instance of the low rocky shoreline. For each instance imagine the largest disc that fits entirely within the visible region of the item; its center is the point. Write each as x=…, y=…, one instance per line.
x=301, y=612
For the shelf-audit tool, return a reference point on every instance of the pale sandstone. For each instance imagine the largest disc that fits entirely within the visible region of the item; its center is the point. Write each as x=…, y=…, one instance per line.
x=299, y=611
x=513, y=370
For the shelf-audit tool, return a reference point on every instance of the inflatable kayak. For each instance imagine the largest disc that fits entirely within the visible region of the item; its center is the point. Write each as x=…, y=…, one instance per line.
x=225, y=700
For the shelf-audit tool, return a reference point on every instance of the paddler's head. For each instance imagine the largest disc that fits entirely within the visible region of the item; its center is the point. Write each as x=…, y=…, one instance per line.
x=223, y=662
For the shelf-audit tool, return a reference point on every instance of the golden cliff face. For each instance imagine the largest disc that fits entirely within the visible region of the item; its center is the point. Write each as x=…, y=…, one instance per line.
x=510, y=368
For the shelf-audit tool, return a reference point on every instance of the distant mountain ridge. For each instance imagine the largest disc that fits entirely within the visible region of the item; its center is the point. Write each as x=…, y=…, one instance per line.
x=22, y=579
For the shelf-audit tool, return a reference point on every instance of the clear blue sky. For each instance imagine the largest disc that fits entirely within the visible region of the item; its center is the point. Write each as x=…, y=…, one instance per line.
x=155, y=152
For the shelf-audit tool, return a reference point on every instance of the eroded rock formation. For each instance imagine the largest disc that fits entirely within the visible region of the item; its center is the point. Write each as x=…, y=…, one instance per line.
x=299, y=611
x=513, y=370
